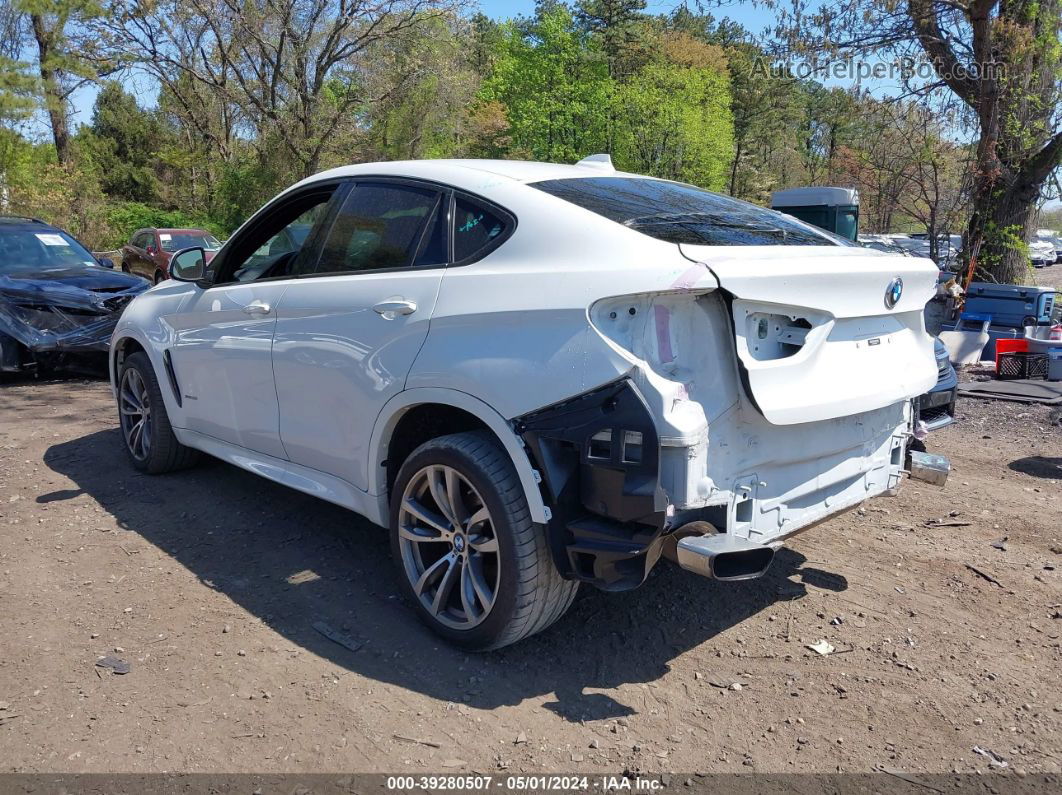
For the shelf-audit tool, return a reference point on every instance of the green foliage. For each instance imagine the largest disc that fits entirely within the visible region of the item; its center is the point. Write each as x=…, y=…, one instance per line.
x=426, y=87
x=17, y=90
x=619, y=27
x=123, y=144
x=999, y=242
x=554, y=86
x=674, y=121
x=126, y=217
x=241, y=187
x=60, y=193
x=564, y=97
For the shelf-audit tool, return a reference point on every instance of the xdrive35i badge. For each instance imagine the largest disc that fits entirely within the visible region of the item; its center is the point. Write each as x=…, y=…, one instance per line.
x=893, y=292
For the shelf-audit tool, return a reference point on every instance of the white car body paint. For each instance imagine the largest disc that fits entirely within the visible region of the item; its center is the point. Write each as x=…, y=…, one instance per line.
x=570, y=302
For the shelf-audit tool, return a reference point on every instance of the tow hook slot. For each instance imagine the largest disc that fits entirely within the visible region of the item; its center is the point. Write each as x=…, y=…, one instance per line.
x=928, y=467
x=724, y=557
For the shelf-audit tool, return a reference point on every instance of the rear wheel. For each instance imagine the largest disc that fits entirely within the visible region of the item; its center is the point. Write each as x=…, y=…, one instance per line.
x=159, y=277
x=477, y=570
x=146, y=431
x=125, y=267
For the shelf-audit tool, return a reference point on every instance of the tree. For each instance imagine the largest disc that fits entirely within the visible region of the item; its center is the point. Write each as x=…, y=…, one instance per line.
x=554, y=86
x=17, y=85
x=672, y=116
x=906, y=168
x=617, y=24
x=291, y=71
x=424, y=83
x=66, y=59
x=124, y=142
x=1001, y=58
x=766, y=112
x=830, y=119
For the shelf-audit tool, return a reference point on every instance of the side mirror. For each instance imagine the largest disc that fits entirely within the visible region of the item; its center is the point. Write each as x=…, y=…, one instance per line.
x=106, y=262
x=188, y=265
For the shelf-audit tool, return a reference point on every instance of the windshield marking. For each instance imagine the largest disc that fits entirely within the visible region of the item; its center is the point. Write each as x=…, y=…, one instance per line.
x=52, y=240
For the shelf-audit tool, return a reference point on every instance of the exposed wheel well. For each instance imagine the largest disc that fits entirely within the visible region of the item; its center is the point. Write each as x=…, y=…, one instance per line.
x=421, y=424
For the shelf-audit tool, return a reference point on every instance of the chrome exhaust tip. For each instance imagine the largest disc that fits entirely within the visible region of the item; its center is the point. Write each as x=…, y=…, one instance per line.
x=723, y=557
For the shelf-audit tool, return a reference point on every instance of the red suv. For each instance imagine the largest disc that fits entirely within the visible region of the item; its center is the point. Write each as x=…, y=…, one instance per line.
x=148, y=251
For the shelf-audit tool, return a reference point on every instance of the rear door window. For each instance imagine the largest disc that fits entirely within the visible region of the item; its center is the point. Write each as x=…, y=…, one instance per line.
x=381, y=226
x=681, y=213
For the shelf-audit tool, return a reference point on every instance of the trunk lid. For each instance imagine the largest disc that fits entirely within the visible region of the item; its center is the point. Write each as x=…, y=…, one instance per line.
x=817, y=332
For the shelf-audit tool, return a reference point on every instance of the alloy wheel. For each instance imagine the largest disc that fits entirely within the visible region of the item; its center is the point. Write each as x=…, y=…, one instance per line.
x=134, y=407
x=449, y=547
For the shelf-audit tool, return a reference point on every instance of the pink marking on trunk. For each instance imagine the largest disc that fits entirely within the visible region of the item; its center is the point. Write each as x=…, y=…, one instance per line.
x=662, y=317
x=689, y=277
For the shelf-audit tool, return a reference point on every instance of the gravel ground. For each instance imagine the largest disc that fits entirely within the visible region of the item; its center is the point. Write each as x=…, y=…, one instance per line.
x=943, y=607
x=1048, y=277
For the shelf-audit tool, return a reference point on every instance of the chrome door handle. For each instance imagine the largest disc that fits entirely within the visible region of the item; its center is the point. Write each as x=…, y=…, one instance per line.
x=256, y=308
x=392, y=309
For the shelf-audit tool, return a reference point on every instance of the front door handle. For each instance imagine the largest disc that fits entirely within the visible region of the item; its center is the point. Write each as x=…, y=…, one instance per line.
x=395, y=307
x=257, y=308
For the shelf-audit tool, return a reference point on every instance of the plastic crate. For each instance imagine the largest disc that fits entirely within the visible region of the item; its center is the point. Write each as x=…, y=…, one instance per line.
x=1022, y=365
x=1010, y=346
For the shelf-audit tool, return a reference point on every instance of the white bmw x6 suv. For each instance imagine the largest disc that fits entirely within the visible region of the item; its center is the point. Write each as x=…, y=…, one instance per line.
x=534, y=375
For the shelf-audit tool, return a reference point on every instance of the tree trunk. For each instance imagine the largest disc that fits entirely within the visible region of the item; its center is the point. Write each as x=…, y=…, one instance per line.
x=931, y=230
x=54, y=100
x=999, y=228
x=734, y=168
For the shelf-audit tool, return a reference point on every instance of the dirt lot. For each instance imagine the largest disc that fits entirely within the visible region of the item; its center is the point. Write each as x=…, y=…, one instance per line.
x=209, y=583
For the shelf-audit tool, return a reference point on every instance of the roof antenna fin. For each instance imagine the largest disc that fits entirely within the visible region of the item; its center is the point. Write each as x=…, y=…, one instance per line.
x=601, y=162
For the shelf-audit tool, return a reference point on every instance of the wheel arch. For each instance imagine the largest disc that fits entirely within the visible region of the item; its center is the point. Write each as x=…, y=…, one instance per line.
x=122, y=345
x=128, y=340
x=395, y=434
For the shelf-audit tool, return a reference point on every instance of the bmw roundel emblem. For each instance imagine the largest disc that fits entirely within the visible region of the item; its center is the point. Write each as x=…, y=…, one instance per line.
x=893, y=292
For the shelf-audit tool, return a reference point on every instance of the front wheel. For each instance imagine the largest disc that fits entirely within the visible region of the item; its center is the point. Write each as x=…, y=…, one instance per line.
x=475, y=567
x=146, y=431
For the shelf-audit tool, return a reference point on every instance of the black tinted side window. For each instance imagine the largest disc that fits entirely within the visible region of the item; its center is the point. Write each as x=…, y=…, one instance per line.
x=276, y=243
x=380, y=226
x=476, y=227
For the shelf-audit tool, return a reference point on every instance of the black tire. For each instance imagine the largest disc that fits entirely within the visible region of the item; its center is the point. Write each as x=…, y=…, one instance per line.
x=162, y=453
x=125, y=267
x=159, y=277
x=530, y=593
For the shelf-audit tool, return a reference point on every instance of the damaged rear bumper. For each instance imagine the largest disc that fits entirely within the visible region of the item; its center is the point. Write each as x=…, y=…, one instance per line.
x=620, y=497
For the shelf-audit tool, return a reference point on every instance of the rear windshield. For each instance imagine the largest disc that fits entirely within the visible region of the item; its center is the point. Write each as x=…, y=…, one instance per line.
x=681, y=213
